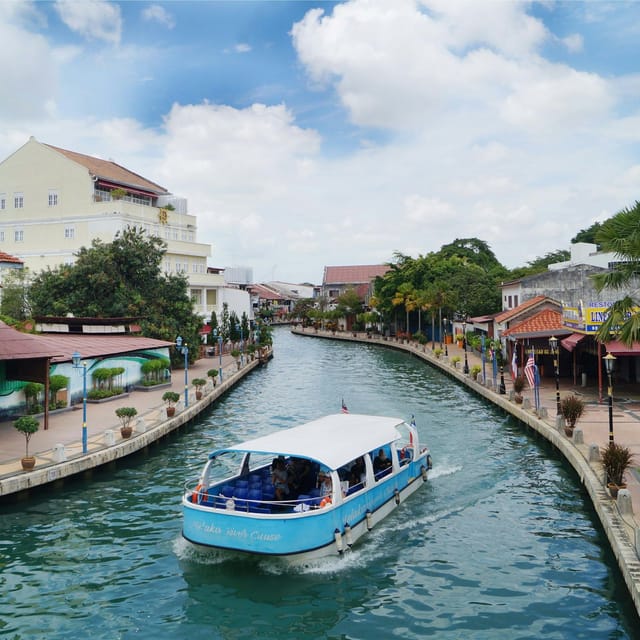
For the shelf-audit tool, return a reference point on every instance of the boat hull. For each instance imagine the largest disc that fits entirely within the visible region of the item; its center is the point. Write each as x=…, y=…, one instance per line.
x=305, y=535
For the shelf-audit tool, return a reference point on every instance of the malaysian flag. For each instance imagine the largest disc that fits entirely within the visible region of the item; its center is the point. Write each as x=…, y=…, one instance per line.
x=344, y=407
x=530, y=371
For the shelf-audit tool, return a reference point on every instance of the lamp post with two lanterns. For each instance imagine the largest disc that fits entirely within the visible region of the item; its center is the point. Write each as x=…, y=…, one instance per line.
x=553, y=345
x=610, y=365
x=182, y=348
x=465, y=370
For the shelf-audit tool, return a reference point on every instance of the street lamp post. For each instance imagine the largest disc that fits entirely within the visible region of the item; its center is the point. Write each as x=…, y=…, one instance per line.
x=465, y=370
x=610, y=365
x=77, y=364
x=239, y=328
x=219, y=338
x=184, y=350
x=502, y=389
x=440, y=313
x=446, y=351
x=553, y=345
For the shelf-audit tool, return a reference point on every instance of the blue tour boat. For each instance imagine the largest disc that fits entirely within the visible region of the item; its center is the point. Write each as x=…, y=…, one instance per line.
x=305, y=492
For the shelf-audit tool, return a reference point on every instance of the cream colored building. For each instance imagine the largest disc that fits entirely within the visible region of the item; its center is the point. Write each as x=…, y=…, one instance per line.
x=54, y=201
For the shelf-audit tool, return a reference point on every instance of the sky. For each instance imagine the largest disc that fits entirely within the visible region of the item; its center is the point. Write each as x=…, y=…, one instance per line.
x=307, y=133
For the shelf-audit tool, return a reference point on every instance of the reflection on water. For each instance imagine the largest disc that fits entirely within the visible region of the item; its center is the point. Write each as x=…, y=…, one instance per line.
x=500, y=543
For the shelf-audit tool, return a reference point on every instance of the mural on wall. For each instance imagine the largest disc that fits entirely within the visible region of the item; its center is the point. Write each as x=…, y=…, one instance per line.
x=103, y=374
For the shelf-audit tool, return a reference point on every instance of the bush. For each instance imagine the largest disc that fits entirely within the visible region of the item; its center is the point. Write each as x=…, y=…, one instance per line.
x=475, y=370
x=198, y=383
x=518, y=384
x=27, y=425
x=126, y=414
x=571, y=408
x=616, y=459
x=171, y=397
x=101, y=394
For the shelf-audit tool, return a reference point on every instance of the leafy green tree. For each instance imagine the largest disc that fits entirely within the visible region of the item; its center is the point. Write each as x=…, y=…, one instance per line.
x=225, y=327
x=540, y=264
x=349, y=304
x=589, y=234
x=121, y=278
x=15, y=294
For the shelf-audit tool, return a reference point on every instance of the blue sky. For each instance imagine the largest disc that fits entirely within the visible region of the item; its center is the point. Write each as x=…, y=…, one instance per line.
x=315, y=133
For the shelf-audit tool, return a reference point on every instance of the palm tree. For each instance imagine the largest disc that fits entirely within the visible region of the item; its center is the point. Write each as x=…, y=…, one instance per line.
x=621, y=235
x=405, y=295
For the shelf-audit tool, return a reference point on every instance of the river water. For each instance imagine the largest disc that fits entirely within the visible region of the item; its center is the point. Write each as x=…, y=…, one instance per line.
x=500, y=543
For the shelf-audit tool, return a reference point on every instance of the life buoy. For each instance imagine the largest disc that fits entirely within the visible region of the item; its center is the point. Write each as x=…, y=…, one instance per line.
x=199, y=494
x=325, y=502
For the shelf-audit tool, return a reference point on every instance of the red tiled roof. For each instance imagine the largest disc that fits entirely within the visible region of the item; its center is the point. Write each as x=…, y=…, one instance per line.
x=544, y=323
x=15, y=345
x=109, y=170
x=264, y=293
x=5, y=257
x=516, y=311
x=359, y=274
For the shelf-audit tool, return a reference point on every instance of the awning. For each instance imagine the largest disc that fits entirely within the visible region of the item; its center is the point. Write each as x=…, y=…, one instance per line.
x=617, y=348
x=571, y=342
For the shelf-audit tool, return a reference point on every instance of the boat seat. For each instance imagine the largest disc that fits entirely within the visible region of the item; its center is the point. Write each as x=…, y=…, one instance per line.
x=255, y=495
x=242, y=484
x=227, y=490
x=240, y=498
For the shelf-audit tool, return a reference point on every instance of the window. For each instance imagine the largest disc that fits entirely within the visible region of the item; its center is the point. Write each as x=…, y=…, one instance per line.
x=18, y=235
x=69, y=233
x=515, y=301
x=53, y=198
x=167, y=266
x=510, y=302
x=18, y=200
x=1, y=236
x=3, y=201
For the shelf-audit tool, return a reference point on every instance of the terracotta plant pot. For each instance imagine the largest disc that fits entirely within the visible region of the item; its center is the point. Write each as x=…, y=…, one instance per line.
x=28, y=462
x=198, y=395
x=568, y=431
x=171, y=411
x=126, y=432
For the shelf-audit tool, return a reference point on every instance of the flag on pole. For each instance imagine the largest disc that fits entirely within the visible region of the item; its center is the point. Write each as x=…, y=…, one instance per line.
x=344, y=407
x=530, y=371
x=514, y=362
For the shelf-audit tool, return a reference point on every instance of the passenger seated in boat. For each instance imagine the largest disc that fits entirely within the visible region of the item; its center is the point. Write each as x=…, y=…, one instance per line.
x=325, y=484
x=381, y=462
x=357, y=474
x=280, y=479
x=301, y=479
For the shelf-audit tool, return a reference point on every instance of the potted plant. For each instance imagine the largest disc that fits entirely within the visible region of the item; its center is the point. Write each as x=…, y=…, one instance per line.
x=518, y=387
x=171, y=397
x=198, y=383
x=571, y=409
x=459, y=339
x=213, y=374
x=616, y=459
x=475, y=370
x=118, y=194
x=126, y=414
x=454, y=361
x=235, y=353
x=437, y=353
x=27, y=425
x=251, y=350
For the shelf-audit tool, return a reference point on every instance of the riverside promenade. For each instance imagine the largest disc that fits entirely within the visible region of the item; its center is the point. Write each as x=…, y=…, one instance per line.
x=58, y=450
x=620, y=518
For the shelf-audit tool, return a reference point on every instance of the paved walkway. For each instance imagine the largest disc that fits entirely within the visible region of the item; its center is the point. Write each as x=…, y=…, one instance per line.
x=65, y=427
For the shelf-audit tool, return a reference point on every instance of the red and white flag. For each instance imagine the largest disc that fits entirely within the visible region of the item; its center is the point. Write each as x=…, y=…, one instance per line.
x=530, y=371
x=344, y=407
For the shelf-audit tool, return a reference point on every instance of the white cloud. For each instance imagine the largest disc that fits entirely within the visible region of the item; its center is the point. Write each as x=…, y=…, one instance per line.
x=156, y=13
x=92, y=19
x=242, y=48
x=485, y=138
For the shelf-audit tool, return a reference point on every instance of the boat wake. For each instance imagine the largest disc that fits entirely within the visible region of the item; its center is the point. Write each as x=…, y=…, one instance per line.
x=441, y=470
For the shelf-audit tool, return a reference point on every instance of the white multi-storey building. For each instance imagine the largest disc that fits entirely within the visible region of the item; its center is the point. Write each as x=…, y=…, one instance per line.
x=54, y=201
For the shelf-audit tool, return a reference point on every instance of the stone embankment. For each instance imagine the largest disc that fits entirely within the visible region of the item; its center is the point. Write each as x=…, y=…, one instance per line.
x=582, y=451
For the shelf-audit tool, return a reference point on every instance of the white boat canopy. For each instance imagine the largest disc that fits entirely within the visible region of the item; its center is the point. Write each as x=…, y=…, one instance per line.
x=333, y=440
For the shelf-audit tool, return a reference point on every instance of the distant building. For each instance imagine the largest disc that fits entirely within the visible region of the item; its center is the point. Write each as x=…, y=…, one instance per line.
x=54, y=201
x=337, y=280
